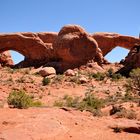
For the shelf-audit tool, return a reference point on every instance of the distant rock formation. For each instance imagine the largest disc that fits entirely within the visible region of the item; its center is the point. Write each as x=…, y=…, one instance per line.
x=6, y=59
x=70, y=48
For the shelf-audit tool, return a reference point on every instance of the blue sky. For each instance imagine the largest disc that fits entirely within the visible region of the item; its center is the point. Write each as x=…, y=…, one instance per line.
x=120, y=16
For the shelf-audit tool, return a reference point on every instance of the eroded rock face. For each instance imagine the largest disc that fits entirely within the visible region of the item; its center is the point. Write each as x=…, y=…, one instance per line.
x=132, y=60
x=74, y=47
x=6, y=59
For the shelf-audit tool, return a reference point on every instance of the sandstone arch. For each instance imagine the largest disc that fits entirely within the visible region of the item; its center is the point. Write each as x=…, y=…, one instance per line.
x=36, y=47
x=69, y=48
x=108, y=41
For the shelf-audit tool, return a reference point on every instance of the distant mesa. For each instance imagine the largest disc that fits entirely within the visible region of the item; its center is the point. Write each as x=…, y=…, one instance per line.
x=70, y=48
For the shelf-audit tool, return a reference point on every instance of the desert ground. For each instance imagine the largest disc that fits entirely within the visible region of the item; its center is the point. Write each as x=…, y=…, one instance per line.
x=76, y=105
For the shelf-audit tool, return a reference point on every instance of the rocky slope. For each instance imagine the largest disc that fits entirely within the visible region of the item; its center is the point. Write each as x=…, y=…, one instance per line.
x=57, y=118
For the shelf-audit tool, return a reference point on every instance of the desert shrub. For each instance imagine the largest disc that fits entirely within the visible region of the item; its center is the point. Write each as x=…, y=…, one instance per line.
x=117, y=129
x=58, y=79
x=110, y=72
x=116, y=109
x=74, y=79
x=68, y=101
x=99, y=76
x=19, y=99
x=72, y=102
x=121, y=112
x=129, y=114
x=91, y=103
x=59, y=103
x=128, y=97
x=114, y=76
x=46, y=81
x=36, y=104
x=133, y=83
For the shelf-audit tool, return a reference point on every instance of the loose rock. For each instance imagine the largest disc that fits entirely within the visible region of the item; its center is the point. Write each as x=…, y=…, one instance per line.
x=46, y=71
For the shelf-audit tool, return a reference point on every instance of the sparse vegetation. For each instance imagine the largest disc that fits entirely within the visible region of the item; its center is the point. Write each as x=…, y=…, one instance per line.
x=109, y=74
x=89, y=103
x=99, y=76
x=121, y=112
x=58, y=79
x=19, y=99
x=46, y=81
x=59, y=103
x=117, y=129
x=133, y=83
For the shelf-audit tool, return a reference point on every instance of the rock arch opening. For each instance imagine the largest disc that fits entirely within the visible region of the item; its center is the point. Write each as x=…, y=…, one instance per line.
x=117, y=54
x=16, y=57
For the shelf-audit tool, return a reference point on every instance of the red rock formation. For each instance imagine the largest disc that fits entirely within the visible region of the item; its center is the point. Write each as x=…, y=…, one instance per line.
x=132, y=60
x=70, y=48
x=74, y=47
x=108, y=41
x=36, y=47
x=6, y=59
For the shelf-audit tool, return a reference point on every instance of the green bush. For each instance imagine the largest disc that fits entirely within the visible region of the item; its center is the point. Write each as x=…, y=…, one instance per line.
x=134, y=82
x=46, y=81
x=99, y=76
x=114, y=76
x=91, y=101
x=19, y=99
x=72, y=102
x=59, y=103
x=36, y=104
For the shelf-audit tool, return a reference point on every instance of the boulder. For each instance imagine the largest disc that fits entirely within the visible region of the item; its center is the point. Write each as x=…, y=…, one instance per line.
x=46, y=71
x=75, y=47
x=70, y=72
x=83, y=80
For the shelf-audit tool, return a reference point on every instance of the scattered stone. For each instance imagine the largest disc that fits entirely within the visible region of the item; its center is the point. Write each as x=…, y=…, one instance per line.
x=83, y=80
x=70, y=72
x=95, y=66
x=46, y=71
